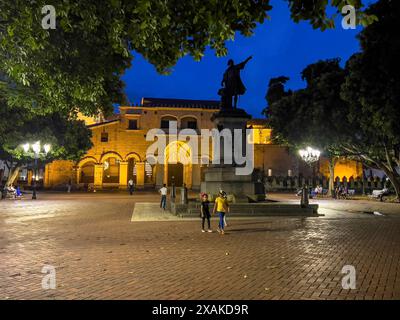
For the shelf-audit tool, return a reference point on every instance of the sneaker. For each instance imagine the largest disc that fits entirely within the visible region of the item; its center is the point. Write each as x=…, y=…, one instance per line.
x=209, y=230
x=203, y=230
x=222, y=232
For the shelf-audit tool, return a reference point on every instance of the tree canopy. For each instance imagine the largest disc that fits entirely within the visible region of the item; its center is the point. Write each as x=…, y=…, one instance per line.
x=69, y=139
x=79, y=64
x=354, y=110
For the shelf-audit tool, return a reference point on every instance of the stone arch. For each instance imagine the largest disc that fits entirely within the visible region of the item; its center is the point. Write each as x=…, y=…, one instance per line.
x=86, y=160
x=85, y=170
x=133, y=155
x=110, y=154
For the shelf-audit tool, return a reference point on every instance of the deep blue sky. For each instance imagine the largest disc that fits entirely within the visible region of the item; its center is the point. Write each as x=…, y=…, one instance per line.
x=279, y=47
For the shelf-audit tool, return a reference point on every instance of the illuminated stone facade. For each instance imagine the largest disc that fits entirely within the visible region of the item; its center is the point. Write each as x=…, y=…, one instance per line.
x=119, y=149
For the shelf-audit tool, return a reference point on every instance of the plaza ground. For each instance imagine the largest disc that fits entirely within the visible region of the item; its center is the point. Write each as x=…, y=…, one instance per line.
x=99, y=253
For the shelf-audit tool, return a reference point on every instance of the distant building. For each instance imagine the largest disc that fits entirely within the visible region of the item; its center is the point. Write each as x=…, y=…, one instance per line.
x=119, y=149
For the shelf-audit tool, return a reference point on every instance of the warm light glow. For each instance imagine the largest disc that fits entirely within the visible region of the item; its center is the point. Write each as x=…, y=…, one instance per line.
x=309, y=155
x=47, y=148
x=36, y=147
x=25, y=147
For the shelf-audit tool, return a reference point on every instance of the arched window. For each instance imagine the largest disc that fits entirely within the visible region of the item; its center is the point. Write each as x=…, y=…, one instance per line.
x=166, y=120
x=189, y=123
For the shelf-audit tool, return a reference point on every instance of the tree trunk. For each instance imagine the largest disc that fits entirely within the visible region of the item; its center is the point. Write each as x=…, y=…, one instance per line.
x=12, y=176
x=331, y=176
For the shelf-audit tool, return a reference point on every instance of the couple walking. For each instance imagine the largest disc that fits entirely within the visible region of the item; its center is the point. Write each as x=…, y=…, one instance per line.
x=221, y=207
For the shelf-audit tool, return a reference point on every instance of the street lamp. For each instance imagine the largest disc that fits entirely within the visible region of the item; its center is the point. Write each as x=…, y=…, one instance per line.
x=310, y=156
x=36, y=148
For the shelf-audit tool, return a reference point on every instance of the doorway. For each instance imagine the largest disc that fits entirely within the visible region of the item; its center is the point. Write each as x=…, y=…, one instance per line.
x=175, y=174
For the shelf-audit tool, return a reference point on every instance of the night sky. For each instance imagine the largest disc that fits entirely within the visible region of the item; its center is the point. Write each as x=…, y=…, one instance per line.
x=279, y=47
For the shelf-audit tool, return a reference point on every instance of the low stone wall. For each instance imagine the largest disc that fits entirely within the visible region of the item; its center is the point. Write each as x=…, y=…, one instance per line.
x=250, y=209
x=287, y=184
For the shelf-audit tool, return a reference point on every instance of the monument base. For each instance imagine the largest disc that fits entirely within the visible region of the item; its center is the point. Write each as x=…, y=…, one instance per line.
x=238, y=187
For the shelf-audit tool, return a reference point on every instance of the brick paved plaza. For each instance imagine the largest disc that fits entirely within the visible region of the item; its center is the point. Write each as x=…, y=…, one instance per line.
x=99, y=253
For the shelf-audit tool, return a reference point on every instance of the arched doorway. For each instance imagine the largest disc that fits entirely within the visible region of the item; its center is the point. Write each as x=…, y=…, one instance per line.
x=87, y=172
x=178, y=168
x=175, y=174
x=111, y=170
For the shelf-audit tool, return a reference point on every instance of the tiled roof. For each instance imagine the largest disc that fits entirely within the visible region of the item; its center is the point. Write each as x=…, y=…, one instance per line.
x=102, y=123
x=180, y=103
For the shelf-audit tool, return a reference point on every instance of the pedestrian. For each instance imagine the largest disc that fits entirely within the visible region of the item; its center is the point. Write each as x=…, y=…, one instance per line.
x=205, y=212
x=69, y=185
x=221, y=207
x=163, y=191
x=131, y=186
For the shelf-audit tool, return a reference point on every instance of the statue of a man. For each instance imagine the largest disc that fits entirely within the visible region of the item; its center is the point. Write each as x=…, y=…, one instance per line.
x=233, y=85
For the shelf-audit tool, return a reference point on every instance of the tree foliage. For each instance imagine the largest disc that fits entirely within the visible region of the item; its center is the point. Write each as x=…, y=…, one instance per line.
x=69, y=139
x=352, y=111
x=80, y=63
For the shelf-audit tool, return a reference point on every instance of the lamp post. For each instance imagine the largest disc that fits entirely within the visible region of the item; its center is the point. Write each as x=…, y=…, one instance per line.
x=36, y=149
x=310, y=156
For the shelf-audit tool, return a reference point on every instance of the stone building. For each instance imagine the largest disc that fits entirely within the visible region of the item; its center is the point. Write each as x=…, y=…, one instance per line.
x=119, y=149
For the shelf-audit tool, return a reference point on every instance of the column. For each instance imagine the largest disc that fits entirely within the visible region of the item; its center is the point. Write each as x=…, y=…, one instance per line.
x=29, y=177
x=98, y=176
x=123, y=174
x=140, y=175
x=159, y=175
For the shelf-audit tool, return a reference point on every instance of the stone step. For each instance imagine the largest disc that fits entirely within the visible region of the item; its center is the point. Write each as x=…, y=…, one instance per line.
x=146, y=211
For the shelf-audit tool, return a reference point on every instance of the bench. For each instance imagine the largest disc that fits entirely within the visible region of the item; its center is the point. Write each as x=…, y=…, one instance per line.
x=378, y=194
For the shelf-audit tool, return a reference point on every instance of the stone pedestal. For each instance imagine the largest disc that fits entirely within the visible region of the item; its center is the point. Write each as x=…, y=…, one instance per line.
x=223, y=176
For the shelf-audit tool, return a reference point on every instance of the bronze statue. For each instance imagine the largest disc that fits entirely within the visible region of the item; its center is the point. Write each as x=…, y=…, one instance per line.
x=232, y=84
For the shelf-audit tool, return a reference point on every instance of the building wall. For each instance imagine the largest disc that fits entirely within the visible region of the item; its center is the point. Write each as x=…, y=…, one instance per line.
x=125, y=146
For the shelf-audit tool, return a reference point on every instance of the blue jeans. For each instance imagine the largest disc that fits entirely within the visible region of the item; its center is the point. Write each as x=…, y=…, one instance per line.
x=221, y=219
x=163, y=202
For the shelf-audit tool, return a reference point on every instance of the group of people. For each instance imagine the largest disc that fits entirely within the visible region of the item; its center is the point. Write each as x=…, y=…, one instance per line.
x=318, y=191
x=12, y=192
x=341, y=191
x=221, y=208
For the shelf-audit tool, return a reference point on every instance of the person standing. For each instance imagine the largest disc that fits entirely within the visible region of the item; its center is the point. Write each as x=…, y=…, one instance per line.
x=69, y=185
x=163, y=191
x=131, y=186
x=205, y=212
x=221, y=207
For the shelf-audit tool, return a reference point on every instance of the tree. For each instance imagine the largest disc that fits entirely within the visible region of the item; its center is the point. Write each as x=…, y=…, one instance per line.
x=69, y=139
x=80, y=63
x=315, y=115
x=372, y=90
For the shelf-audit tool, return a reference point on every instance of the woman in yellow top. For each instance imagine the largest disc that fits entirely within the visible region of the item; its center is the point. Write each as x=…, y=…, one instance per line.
x=221, y=207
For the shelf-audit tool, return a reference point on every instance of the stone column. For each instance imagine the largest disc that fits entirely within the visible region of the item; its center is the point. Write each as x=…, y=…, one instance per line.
x=29, y=177
x=140, y=174
x=123, y=174
x=98, y=176
x=159, y=175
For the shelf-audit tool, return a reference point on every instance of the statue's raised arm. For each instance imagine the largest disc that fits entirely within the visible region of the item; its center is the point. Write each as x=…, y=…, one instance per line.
x=243, y=64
